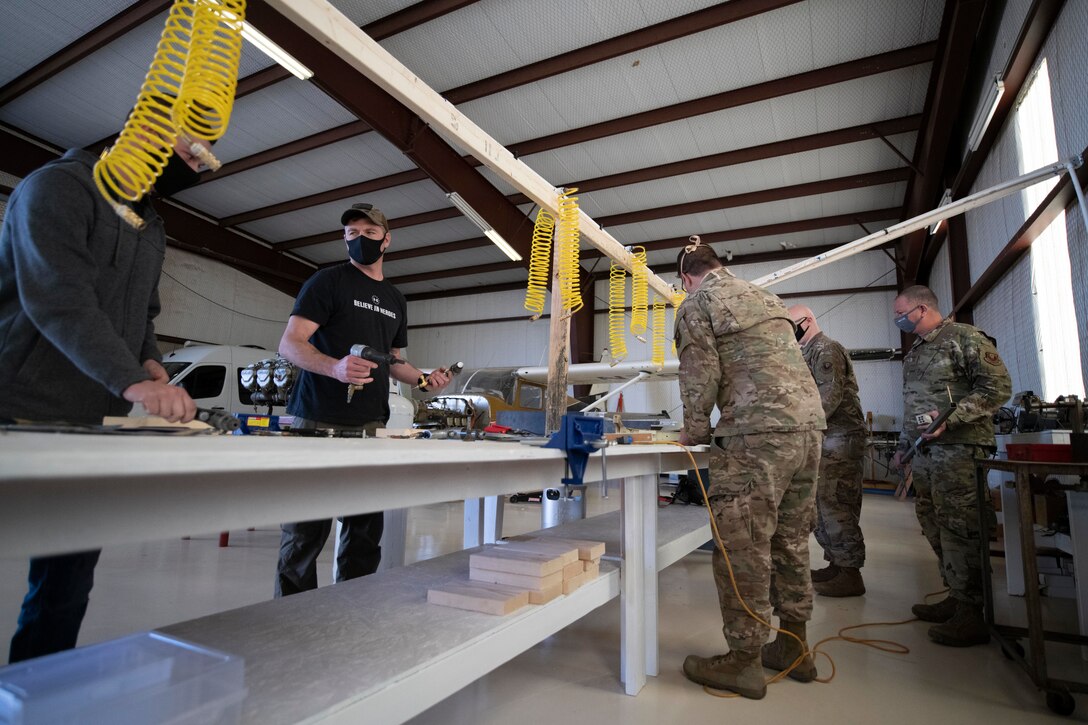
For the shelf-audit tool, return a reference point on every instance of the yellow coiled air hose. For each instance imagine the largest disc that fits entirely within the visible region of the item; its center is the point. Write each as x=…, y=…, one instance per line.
x=539, y=258
x=202, y=109
x=640, y=295
x=570, y=294
x=617, y=298
x=657, y=341
x=194, y=59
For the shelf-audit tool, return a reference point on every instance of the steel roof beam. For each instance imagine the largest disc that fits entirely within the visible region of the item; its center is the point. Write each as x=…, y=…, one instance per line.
x=956, y=43
x=291, y=148
x=582, y=57
x=184, y=229
x=851, y=70
x=728, y=158
x=769, y=230
x=781, y=193
x=1060, y=198
x=400, y=126
x=830, y=222
x=1040, y=20
x=406, y=19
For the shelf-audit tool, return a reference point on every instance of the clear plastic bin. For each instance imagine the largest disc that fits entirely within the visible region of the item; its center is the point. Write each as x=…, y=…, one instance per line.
x=136, y=680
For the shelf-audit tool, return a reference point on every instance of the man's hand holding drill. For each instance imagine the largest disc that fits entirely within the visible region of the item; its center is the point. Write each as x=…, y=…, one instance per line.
x=354, y=370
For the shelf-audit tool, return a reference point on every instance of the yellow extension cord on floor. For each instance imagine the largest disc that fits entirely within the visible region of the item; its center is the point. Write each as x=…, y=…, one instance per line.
x=884, y=645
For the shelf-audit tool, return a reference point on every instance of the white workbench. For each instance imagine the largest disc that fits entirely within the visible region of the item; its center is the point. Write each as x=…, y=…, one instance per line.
x=69, y=492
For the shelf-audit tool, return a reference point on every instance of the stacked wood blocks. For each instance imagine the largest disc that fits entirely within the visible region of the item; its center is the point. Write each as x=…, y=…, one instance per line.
x=524, y=570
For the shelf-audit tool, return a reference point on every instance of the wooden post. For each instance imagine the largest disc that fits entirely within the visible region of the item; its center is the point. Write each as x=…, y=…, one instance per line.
x=555, y=399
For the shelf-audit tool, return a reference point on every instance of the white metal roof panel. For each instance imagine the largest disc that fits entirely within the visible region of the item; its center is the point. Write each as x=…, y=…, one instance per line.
x=91, y=99
x=717, y=60
x=474, y=280
x=441, y=262
x=277, y=114
x=446, y=52
x=400, y=201
x=347, y=162
x=30, y=33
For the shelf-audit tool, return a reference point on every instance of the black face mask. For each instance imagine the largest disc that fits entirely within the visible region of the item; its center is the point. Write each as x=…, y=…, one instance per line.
x=364, y=250
x=175, y=177
x=799, y=332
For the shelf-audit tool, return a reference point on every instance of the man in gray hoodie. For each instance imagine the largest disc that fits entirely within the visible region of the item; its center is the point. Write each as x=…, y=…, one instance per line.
x=78, y=296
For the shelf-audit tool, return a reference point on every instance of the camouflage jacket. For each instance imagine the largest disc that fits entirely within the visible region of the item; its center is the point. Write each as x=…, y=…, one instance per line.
x=737, y=350
x=834, y=375
x=961, y=359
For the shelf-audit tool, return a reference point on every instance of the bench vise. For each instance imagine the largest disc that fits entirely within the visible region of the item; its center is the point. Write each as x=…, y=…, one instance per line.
x=578, y=435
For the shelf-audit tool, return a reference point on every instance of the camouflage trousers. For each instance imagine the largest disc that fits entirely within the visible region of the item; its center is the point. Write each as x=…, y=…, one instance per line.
x=947, y=504
x=838, y=501
x=762, y=491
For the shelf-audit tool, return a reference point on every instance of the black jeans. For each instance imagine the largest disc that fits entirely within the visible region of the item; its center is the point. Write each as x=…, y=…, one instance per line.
x=301, y=543
x=56, y=600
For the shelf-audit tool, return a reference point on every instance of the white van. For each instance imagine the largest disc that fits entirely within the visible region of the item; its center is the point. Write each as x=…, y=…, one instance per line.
x=212, y=376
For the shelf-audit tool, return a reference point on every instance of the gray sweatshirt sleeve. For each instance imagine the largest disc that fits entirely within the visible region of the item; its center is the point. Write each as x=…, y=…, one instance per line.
x=150, y=349
x=54, y=225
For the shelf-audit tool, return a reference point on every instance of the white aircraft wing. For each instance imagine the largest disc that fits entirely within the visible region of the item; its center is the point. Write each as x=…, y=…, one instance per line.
x=605, y=374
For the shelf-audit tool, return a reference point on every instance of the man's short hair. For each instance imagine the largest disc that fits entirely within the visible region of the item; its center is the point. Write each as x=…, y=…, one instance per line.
x=920, y=295
x=697, y=259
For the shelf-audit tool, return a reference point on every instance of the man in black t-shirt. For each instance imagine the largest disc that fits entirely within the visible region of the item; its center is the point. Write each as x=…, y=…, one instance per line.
x=341, y=306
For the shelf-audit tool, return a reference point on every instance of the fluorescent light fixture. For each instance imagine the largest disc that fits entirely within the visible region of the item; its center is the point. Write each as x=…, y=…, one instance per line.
x=494, y=236
x=986, y=111
x=502, y=244
x=946, y=199
x=275, y=52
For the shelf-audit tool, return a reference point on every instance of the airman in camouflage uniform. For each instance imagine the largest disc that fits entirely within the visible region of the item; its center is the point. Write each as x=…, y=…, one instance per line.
x=957, y=360
x=838, y=492
x=737, y=351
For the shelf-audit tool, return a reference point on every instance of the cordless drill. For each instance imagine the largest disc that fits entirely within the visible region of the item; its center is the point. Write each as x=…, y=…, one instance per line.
x=375, y=356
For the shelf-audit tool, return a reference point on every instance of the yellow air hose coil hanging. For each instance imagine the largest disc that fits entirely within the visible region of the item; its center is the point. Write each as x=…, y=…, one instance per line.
x=657, y=341
x=539, y=258
x=569, y=236
x=128, y=170
x=617, y=299
x=678, y=296
x=640, y=295
x=202, y=109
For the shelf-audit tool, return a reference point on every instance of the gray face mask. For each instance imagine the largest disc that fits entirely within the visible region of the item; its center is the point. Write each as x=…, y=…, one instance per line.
x=903, y=321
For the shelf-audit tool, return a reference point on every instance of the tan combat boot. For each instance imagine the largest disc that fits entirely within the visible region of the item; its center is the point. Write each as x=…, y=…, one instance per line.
x=782, y=653
x=940, y=612
x=964, y=629
x=826, y=574
x=738, y=671
x=846, y=583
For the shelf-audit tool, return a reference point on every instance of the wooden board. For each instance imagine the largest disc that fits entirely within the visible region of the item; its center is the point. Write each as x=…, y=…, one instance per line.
x=543, y=596
x=565, y=552
x=573, y=569
x=587, y=550
x=516, y=580
x=569, y=585
x=486, y=598
x=498, y=558
x=592, y=569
